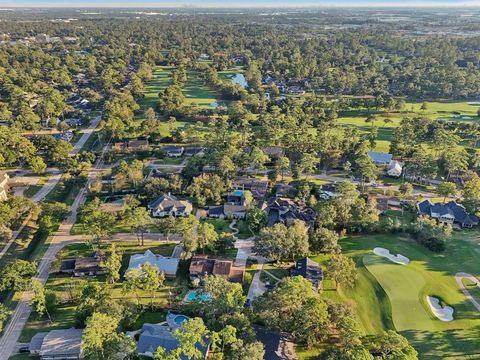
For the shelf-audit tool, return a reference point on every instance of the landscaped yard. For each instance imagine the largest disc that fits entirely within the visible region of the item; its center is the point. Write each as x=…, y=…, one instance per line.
x=64, y=317
x=387, y=295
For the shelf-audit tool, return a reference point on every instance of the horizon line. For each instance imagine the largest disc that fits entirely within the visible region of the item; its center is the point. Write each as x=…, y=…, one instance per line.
x=169, y=5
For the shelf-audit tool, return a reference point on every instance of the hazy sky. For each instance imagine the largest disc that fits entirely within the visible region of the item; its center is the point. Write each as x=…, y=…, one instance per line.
x=236, y=3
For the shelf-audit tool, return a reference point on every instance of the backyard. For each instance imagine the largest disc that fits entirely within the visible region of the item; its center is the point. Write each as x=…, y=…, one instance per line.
x=64, y=285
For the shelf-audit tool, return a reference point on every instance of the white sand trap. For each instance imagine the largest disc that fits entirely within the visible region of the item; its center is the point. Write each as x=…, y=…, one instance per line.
x=398, y=259
x=442, y=313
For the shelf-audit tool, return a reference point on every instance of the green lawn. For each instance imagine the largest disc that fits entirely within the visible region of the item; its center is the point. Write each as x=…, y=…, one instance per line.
x=170, y=161
x=388, y=295
x=435, y=110
x=197, y=93
x=63, y=192
x=64, y=316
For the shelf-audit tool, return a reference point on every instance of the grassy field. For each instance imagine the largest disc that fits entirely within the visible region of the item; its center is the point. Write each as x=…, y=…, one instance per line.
x=387, y=295
x=435, y=110
x=197, y=93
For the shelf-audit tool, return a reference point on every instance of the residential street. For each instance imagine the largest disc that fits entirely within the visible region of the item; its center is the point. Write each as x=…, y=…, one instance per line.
x=61, y=238
x=53, y=180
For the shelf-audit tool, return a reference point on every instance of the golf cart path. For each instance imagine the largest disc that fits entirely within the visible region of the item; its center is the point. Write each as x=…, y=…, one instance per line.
x=458, y=278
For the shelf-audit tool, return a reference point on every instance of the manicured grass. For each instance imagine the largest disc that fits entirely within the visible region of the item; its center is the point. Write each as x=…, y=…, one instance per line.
x=406, y=288
x=244, y=231
x=197, y=93
x=221, y=225
x=279, y=271
x=63, y=192
x=170, y=161
x=472, y=288
x=161, y=80
x=64, y=316
x=22, y=357
x=437, y=110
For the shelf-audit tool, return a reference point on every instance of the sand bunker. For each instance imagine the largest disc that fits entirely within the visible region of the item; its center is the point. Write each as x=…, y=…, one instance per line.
x=442, y=313
x=398, y=259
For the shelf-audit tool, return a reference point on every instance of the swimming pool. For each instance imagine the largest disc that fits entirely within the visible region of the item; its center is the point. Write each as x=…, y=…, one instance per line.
x=194, y=295
x=179, y=319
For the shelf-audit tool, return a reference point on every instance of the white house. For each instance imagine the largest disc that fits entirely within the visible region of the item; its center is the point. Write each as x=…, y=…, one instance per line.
x=394, y=169
x=166, y=265
x=168, y=205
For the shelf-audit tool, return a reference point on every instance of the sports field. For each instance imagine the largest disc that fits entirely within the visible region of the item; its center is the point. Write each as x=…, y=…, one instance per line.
x=387, y=295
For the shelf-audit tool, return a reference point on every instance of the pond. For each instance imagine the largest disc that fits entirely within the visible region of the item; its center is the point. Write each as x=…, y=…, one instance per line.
x=220, y=103
x=239, y=79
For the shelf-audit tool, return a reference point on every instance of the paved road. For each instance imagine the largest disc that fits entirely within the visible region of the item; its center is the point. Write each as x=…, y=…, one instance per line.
x=86, y=135
x=458, y=278
x=53, y=180
x=62, y=237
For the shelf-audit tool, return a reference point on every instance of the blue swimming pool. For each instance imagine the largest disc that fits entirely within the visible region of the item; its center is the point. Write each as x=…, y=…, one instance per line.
x=179, y=319
x=193, y=295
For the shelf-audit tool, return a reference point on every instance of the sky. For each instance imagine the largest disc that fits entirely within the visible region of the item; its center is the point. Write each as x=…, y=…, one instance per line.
x=235, y=3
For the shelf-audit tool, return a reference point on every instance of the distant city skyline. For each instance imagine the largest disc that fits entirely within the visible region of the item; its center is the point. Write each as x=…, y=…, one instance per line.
x=236, y=3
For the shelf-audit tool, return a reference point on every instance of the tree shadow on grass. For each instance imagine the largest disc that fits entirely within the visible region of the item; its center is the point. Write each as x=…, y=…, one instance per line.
x=449, y=344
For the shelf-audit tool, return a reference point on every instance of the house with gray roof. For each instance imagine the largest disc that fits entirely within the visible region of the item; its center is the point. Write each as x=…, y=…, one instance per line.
x=310, y=270
x=380, y=158
x=62, y=344
x=168, y=205
x=153, y=336
x=166, y=265
x=449, y=213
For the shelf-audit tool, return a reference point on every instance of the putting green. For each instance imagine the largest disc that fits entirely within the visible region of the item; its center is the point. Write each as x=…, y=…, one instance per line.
x=403, y=286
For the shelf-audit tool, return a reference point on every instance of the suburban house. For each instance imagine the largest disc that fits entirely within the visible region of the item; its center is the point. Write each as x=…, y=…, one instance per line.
x=310, y=270
x=278, y=346
x=385, y=203
x=257, y=187
x=168, y=205
x=394, y=169
x=273, y=152
x=328, y=191
x=285, y=190
x=62, y=344
x=85, y=266
x=449, y=213
x=167, y=265
x=3, y=185
x=285, y=211
x=65, y=136
x=193, y=151
x=227, y=211
x=173, y=151
x=137, y=144
x=234, y=207
x=152, y=336
x=201, y=265
x=380, y=158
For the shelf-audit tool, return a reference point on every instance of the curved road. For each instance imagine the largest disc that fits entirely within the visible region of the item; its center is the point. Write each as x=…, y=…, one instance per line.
x=458, y=278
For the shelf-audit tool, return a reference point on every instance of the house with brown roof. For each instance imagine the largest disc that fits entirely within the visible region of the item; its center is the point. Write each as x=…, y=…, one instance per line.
x=201, y=266
x=257, y=187
x=85, y=266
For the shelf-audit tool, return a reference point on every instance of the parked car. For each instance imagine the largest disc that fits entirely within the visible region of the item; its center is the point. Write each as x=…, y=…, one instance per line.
x=23, y=350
